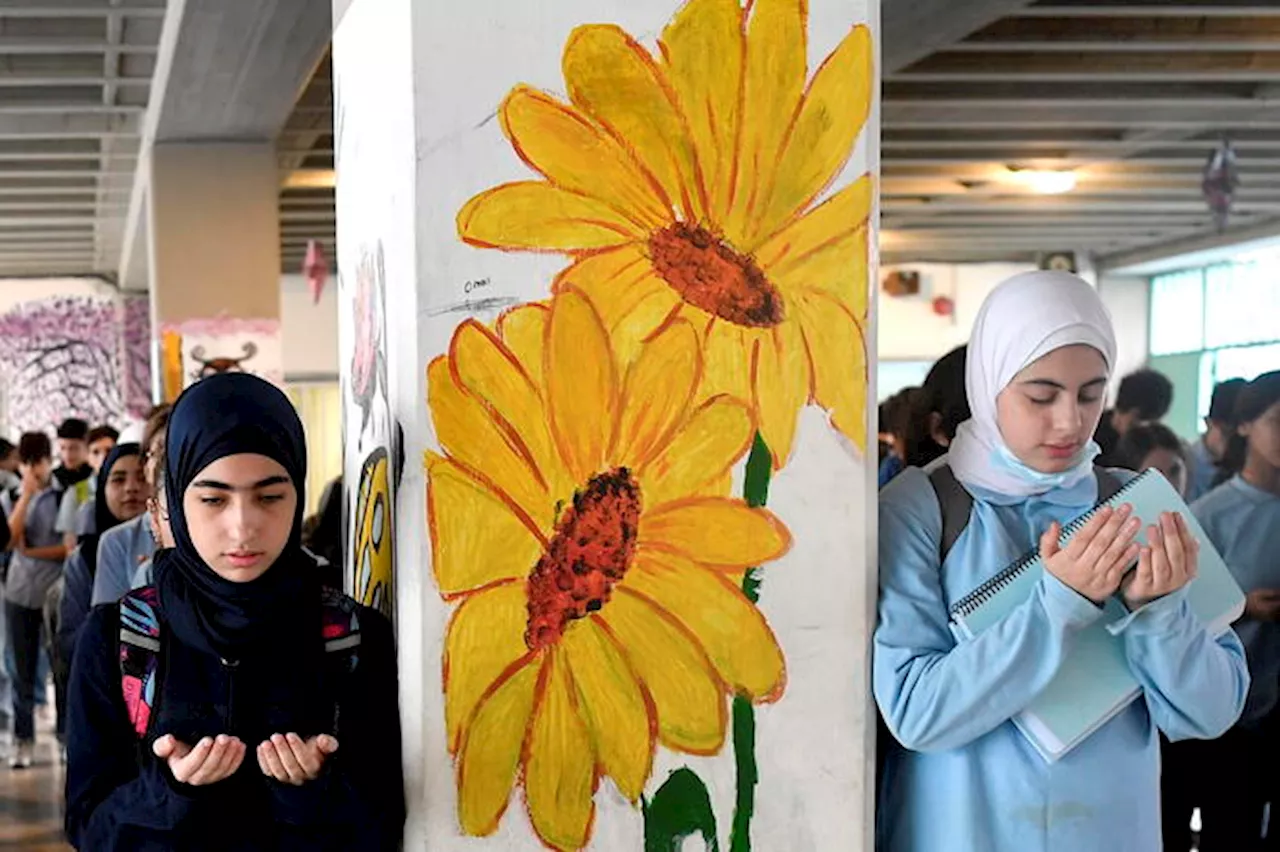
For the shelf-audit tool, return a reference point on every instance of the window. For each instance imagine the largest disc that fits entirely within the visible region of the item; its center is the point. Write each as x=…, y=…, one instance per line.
x=1177, y=313
x=1227, y=318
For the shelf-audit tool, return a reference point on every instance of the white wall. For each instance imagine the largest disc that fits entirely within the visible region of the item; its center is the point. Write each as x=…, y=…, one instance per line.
x=15, y=291
x=310, y=330
x=1128, y=299
x=909, y=330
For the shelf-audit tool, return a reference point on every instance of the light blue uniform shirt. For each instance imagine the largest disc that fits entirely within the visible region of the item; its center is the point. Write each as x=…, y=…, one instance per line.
x=120, y=551
x=1201, y=472
x=971, y=782
x=1243, y=523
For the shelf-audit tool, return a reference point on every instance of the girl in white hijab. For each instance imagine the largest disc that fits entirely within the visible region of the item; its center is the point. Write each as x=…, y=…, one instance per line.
x=958, y=775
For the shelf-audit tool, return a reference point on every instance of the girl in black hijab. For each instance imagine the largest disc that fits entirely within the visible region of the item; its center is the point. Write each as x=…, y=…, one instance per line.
x=242, y=747
x=120, y=496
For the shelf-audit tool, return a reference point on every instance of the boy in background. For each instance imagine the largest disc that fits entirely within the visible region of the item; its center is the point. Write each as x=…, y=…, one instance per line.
x=36, y=564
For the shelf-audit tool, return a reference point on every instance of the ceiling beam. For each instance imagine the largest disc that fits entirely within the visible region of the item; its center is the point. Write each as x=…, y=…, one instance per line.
x=69, y=125
x=56, y=9
x=912, y=29
x=1152, y=8
x=1120, y=66
x=14, y=46
x=1165, y=250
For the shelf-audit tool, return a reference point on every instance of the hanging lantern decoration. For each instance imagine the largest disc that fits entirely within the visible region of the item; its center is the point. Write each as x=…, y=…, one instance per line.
x=1221, y=179
x=316, y=268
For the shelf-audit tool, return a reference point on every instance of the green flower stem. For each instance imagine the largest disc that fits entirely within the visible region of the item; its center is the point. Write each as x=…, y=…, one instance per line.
x=755, y=491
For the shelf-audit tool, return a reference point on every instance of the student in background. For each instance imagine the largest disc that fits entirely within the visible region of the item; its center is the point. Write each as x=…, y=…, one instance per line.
x=123, y=549
x=10, y=480
x=75, y=515
x=73, y=455
x=261, y=738
x=1143, y=397
x=941, y=407
x=121, y=495
x=1233, y=779
x=960, y=776
x=1206, y=454
x=1154, y=445
x=101, y=440
x=36, y=565
x=897, y=412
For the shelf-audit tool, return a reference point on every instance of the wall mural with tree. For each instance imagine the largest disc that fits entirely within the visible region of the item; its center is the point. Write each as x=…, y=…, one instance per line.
x=136, y=311
x=61, y=358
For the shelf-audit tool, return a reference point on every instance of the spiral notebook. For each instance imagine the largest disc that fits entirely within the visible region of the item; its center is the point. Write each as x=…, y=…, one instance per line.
x=1094, y=682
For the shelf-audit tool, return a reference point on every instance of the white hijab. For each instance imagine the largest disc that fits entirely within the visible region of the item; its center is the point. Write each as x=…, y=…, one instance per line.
x=1023, y=319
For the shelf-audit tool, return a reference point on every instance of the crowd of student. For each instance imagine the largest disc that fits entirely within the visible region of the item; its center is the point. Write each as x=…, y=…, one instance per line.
x=955, y=774
x=205, y=664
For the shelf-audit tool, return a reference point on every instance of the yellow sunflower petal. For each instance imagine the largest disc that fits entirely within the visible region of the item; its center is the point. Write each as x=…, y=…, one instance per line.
x=705, y=48
x=628, y=335
x=657, y=392
x=582, y=384
x=837, y=351
x=699, y=457
x=537, y=216
x=472, y=436
x=477, y=538
x=559, y=771
x=615, y=281
x=826, y=249
x=485, y=636
x=827, y=127
x=490, y=751
x=730, y=628
x=522, y=330
x=616, y=82
x=773, y=84
x=614, y=707
x=782, y=386
x=715, y=531
x=560, y=142
x=687, y=694
x=490, y=371
x=727, y=353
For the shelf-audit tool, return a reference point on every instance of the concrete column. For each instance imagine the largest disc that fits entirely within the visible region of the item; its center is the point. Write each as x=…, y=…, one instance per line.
x=214, y=243
x=475, y=184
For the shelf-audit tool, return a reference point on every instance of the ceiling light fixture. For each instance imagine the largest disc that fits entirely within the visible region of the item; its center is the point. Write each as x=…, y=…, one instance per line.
x=1045, y=181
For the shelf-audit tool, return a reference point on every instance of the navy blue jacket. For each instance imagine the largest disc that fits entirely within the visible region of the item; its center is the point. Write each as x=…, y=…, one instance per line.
x=121, y=797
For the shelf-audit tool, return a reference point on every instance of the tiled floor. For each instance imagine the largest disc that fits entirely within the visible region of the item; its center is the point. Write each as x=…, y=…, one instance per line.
x=31, y=799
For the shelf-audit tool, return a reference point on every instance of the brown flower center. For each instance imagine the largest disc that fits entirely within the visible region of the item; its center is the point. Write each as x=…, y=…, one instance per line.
x=710, y=274
x=594, y=541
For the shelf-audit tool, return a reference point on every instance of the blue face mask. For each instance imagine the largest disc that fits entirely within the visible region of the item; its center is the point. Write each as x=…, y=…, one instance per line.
x=1003, y=459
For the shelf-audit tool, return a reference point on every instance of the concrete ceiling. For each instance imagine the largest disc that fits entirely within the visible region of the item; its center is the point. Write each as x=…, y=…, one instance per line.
x=1131, y=95
x=75, y=78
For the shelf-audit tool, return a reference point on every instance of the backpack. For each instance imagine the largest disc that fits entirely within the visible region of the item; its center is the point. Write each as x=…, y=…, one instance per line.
x=957, y=504
x=140, y=646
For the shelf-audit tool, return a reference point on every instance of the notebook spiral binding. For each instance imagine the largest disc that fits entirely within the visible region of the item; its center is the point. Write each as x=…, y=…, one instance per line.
x=978, y=598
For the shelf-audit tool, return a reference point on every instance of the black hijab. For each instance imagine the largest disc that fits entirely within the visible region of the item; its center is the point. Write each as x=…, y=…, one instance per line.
x=219, y=416
x=103, y=520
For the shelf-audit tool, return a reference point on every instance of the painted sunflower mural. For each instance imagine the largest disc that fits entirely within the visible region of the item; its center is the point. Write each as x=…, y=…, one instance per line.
x=715, y=283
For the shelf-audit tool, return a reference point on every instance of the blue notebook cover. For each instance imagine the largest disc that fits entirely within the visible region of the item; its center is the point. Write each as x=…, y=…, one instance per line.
x=1094, y=682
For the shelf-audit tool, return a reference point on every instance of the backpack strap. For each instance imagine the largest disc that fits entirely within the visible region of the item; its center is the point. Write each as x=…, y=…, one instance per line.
x=139, y=654
x=1108, y=484
x=341, y=632
x=956, y=503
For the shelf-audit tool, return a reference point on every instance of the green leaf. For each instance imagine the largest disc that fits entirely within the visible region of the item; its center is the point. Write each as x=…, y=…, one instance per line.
x=680, y=808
